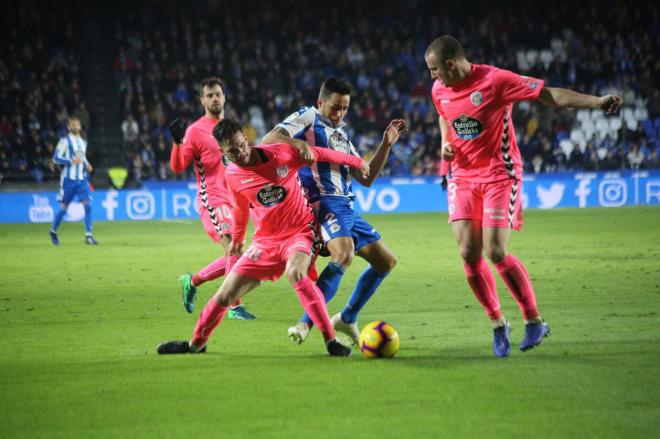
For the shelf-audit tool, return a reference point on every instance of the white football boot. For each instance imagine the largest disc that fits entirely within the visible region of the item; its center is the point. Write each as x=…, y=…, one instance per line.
x=350, y=329
x=299, y=332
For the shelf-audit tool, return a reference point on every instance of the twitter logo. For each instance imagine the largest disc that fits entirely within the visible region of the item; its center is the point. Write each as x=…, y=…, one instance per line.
x=550, y=198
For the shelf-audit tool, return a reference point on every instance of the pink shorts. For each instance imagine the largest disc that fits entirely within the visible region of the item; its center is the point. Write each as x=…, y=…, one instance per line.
x=496, y=204
x=267, y=260
x=217, y=222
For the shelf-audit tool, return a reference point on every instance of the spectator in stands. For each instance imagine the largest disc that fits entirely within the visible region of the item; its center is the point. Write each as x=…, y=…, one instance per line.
x=576, y=159
x=635, y=157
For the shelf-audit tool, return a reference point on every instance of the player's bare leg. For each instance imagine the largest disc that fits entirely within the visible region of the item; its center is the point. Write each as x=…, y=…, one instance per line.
x=469, y=237
x=313, y=301
x=515, y=276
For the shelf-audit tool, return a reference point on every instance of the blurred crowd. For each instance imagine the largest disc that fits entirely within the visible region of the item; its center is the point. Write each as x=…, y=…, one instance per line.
x=39, y=87
x=274, y=55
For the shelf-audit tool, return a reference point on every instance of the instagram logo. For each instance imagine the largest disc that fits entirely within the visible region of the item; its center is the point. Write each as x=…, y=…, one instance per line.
x=612, y=192
x=140, y=205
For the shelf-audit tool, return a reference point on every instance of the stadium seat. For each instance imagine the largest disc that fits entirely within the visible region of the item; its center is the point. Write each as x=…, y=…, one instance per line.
x=615, y=123
x=597, y=114
x=641, y=113
x=567, y=146
x=602, y=153
x=546, y=57
x=602, y=128
x=583, y=114
x=577, y=136
x=532, y=56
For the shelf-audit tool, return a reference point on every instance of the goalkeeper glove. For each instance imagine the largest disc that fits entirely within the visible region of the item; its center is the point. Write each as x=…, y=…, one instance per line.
x=178, y=130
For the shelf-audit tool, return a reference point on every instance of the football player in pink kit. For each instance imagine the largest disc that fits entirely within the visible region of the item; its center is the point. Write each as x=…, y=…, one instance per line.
x=285, y=238
x=196, y=144
x=474, y=104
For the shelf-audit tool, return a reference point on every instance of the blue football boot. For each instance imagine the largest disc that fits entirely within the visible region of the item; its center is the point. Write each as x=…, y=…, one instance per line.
x=534, y=334
x=501, y=343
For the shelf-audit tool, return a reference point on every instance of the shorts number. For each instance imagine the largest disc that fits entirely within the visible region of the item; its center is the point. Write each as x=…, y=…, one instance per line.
x=452, y=191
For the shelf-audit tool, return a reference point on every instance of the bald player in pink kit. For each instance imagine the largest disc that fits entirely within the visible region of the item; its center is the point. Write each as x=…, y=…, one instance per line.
x=474, y=103
x=286, y=233
x=197, y=145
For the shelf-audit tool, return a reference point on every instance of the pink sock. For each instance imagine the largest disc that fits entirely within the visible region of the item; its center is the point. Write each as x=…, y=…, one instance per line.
x=212, y=271
x=209, y=319
x=312, y=300
x=231, y=261
x=515, y=276
x=482, y=283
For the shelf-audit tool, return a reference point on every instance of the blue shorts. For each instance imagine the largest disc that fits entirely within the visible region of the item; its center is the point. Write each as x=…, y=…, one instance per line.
x=337, y=218
x=69, y=189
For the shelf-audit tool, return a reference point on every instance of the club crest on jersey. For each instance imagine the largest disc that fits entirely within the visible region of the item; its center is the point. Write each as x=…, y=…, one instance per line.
x=337, y=142
x=271, y=195
x=282, y=170
x=476, y=98
x=467, y=127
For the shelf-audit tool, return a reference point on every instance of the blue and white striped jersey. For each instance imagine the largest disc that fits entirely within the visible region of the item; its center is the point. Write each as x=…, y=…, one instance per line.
x=321, y=179
x=69, y=147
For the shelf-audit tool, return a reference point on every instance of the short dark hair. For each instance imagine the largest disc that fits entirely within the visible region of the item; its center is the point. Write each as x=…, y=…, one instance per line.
x=446, y=47
x=225, y=129
x=211, y=81
x=335, y=85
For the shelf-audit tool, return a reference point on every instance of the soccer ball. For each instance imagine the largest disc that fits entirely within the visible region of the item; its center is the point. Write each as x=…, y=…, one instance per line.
x=379, y=340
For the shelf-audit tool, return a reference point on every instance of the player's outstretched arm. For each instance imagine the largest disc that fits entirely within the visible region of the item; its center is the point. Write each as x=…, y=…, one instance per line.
x=280, y=135
x=328, y=155
x=564, y=98
x=390, y=137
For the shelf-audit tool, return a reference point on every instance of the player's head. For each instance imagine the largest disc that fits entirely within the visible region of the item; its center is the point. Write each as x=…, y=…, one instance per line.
x=212, y=96
x=444, y=58
x=73, y=125
x=233, y=142
x=334, y=99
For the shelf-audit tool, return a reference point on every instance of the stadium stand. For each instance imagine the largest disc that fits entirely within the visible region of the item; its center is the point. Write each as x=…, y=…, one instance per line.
x=273, y=56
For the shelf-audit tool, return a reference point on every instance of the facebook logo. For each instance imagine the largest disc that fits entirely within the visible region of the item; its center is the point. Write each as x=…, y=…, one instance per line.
x=583, y=191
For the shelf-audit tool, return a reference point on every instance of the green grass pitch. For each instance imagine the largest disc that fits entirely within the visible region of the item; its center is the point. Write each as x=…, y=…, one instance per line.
x=79, y=326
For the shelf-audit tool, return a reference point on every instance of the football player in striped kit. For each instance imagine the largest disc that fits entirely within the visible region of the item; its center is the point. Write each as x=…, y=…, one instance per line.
x=71, y=154
x=328, y=187
x=474, y=103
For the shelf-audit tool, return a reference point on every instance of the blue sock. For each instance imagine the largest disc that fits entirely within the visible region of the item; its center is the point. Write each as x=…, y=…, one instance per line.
x=58, y=219
x=365, y=287
x=328, y=283
x=88, y=219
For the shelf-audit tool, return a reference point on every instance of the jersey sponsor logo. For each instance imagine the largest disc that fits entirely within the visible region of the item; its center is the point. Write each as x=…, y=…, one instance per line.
x=476, y=98
x=282, y=170
x=271, y=195
x=337, y=142
x=444, y=101
x=467, y=127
